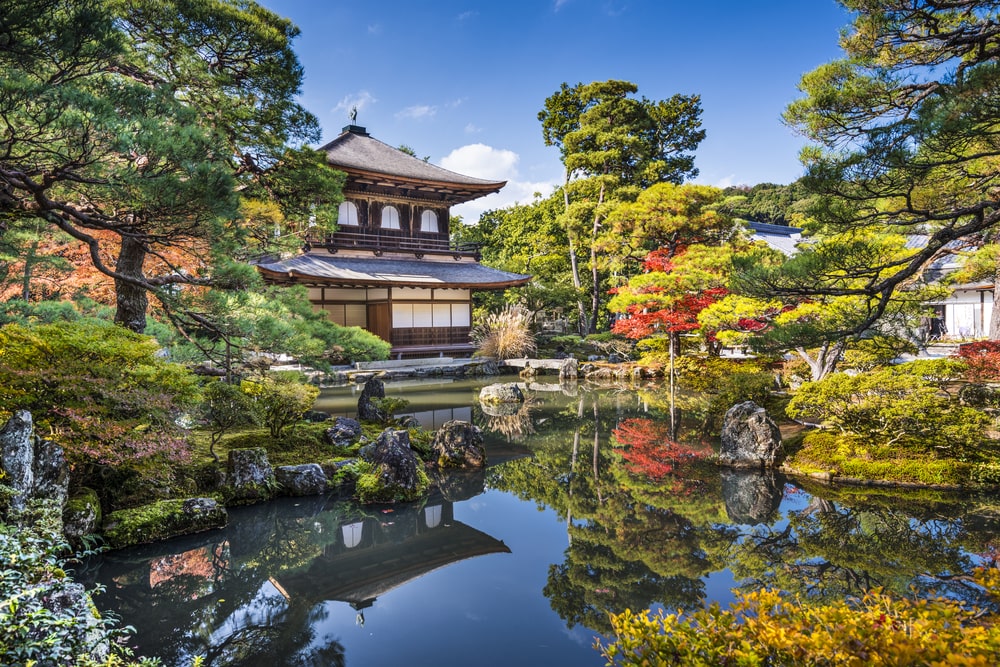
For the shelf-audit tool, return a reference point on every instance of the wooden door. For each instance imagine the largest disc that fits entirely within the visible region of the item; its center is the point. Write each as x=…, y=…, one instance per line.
x=379, y=320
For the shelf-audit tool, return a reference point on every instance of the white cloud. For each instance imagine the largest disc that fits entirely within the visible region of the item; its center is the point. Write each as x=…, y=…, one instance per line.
x=375, y=29
x=417, y=112
x=360, y=100
x=467, y=15
x=717, y=181
x=472, y=129
x=495, y=164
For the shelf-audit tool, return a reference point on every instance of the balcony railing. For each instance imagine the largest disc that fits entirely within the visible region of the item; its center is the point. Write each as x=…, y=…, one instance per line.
x=379, y=241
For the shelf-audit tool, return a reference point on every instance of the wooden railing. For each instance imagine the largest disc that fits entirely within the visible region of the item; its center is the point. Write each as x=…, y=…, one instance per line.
x=382, y=240
x=429, y=337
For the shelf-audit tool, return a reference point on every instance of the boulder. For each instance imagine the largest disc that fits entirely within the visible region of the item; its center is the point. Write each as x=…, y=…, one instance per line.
x=502, y=392
x=399, y=471
x=34, y=468
x=163, y=520
x=368, y=411
x=569, y=369
x=18, y=451
x=82, y=516
x=750, y=438
x=249, y=475
x=51, y=472
x=307, y=479
x=752, y=496
x=344, y=432
x=459, y=444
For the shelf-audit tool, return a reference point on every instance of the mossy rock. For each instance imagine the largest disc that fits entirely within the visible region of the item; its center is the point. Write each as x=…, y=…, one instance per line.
x=163, y=520
x=82, y=515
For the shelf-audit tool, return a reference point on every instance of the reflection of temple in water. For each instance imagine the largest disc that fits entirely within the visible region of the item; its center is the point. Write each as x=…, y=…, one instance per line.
x=249, y=591
x=375, y=555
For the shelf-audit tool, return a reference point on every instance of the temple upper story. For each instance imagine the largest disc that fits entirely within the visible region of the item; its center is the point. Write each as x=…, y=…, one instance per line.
x=393, y=200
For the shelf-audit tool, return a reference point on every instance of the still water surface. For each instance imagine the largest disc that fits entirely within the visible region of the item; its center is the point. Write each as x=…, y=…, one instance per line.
x=594, y=501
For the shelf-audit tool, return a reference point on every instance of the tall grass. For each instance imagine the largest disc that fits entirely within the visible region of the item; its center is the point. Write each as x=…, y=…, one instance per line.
x=506, y=334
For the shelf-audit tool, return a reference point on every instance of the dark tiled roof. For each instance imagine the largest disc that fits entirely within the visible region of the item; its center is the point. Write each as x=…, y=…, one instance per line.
x=781, y=238
x=355, y=149
x=376, y=271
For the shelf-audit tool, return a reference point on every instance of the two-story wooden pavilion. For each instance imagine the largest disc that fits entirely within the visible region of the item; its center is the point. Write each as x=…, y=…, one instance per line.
x=390, y=267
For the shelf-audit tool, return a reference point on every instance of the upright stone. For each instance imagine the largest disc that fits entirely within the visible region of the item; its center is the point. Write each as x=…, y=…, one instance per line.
x=250, y=475
x=368, y=411
x=569, y=369
x=18, y=456
x=750, y=438
x=50, y=472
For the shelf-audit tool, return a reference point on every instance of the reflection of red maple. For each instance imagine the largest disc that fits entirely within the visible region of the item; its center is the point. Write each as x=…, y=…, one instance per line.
x=201, y=563
x=649, y=450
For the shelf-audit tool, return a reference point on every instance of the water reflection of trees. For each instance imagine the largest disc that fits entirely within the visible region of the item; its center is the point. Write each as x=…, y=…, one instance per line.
x=629, y=545
x=646, y=521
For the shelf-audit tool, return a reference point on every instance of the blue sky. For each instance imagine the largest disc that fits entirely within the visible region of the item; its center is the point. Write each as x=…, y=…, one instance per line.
x=462, y=81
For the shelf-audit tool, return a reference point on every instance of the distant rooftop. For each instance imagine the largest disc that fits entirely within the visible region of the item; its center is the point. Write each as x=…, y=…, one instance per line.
x=782, y=238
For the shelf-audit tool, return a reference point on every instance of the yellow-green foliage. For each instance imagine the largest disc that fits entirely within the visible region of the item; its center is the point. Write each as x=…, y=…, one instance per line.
x=767, y=628
x=281, y=401
x=896, y=406
x=850, y=456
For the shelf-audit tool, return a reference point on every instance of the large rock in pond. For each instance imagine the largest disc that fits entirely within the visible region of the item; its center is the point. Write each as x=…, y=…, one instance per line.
x=307, y=479
x=752, y=496
x=344, y=432
x=163, y=520
x=459, y=444
x=367, y=410
x=34, y=468
x=502, y=392
x=400, y=473
x=750, y=438
x=249, y=475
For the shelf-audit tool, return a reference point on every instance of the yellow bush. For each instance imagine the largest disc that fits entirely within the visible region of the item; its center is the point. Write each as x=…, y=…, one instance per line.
x=767, y=628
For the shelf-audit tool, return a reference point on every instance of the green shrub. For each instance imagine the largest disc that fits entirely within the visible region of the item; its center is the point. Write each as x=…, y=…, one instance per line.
x=979, y=396
x=98, y=390
x=281, y=401
x=876, y=352
x=893, y=406
x=34, y=629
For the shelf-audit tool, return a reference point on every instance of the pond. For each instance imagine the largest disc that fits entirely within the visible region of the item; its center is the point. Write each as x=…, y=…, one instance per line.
x=594, y=501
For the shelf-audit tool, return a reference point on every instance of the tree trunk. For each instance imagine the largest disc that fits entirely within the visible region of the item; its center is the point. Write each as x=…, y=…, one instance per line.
x=131, y=299
x=995, y=315
x=29, y=267
x=581, y=315
x=826, y=360
x=595, y=294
